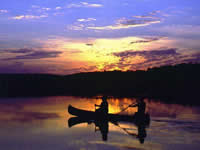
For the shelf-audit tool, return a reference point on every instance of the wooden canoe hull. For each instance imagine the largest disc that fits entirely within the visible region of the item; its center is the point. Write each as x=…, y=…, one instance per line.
x=91, y=115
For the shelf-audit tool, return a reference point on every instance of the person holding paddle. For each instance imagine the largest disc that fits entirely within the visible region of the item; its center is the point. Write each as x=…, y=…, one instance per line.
x=103, y=107
x=141, y=105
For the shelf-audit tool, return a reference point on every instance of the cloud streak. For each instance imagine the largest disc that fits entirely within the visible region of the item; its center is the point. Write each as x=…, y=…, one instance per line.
x=145, y=41
x=151, y=15
x=28, y=17
x=125, y=24
x=58, y=8
x=16, y=51
x=46, y=9
x=86, y=20
x=31, y=54
x=147, y=54
x=3, y=11
x=145, y=17
x=137, y=60
x=38, y=55
x=76, y=27
x=84, y=4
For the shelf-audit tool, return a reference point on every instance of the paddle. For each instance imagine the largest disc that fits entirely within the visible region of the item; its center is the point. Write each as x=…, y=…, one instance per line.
x=126, y=107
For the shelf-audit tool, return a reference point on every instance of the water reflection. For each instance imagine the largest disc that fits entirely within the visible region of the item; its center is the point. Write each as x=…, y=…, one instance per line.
x=101, y=118
x=103, y=127
x=100, y=125
x=40, y=123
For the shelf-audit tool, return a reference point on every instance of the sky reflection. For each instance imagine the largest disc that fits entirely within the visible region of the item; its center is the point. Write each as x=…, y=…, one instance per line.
x=38, y=123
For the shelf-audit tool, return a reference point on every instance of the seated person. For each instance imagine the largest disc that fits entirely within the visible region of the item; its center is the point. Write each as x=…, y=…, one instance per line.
x=141, y=106
x=103, y=107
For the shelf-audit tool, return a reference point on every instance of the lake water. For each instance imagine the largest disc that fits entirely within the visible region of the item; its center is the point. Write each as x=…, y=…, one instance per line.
x=42, y=124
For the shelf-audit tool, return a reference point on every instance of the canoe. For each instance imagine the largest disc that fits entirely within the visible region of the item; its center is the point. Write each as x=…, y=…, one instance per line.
x=91, y=115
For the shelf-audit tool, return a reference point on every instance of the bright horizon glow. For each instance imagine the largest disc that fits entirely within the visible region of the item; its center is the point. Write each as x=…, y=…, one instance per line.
x=62, y=37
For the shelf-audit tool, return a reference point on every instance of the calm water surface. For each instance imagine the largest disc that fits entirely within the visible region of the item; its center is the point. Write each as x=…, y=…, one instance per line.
x=42, y=124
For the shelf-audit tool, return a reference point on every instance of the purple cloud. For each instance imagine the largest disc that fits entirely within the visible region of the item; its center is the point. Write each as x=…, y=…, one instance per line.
x=152, y=58
x=31, y=54
x=145, y=41
x=146, y=53
x=16, y=51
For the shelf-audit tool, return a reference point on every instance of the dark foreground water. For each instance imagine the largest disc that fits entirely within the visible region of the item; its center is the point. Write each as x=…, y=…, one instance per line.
x=42, y=124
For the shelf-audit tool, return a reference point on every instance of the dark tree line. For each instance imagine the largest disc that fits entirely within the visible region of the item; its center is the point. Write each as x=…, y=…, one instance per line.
x=180, y=83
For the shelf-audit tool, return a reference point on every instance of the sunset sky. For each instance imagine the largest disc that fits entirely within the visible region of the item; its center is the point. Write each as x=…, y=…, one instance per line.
x=70, y=36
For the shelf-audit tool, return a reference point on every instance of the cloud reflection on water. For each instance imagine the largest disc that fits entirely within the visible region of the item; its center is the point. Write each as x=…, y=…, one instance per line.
x=42, y=123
